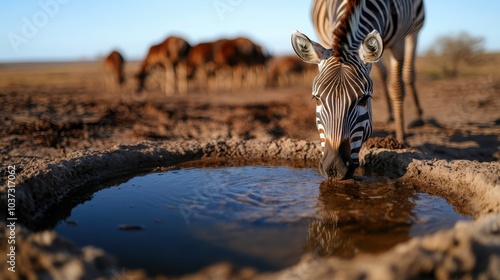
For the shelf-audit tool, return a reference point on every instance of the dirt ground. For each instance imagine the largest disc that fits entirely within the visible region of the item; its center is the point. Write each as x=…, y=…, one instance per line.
x=59, y=116
x=48, y=110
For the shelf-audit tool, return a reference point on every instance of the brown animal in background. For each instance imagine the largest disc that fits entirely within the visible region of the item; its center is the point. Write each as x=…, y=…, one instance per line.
x=171, y=54
x=281, y=68
x=260, y=57
x=200, y=62
x=239, y=55
x=238, y=52
x=114, y=65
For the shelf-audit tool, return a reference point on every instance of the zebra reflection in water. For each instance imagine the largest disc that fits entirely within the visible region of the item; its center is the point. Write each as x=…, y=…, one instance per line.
x=360, y=216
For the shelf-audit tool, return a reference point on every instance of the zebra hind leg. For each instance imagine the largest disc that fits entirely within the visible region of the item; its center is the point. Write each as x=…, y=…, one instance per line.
x=397, y=91
x=382, y=70
x=409, y=77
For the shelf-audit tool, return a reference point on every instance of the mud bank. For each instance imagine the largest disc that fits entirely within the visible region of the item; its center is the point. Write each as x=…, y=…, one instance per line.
x=469, y=249
x=41, y=183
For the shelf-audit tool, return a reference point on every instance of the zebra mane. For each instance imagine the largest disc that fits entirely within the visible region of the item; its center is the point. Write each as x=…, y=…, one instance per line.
x=346, y=27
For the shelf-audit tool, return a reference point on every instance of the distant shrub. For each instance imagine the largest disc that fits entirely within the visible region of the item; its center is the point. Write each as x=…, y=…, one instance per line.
x=433, y=75
x=455, y=51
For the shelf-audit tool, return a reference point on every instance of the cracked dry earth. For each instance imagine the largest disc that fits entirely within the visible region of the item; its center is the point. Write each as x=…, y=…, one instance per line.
x=62, y=134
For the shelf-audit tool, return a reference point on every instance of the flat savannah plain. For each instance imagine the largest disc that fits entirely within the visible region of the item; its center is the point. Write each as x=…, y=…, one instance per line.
x=62, y=126
x=51, y=109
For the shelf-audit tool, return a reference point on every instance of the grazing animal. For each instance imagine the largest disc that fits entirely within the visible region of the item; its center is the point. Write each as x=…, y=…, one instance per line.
x=171, y=54
x=343, y=87
x=113, y=66
x=200, y=62
x=281, y=68
x=238, y=56
x=235, y=52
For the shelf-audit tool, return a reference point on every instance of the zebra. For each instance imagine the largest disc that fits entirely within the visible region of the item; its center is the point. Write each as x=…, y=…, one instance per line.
x=343, y=87
x=322, y=13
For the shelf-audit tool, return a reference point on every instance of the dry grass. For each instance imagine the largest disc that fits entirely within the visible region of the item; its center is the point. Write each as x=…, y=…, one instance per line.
x=431, y=68
x=90, y=74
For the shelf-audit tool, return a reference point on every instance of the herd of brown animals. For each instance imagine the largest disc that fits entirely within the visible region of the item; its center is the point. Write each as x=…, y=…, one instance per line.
x=222, y=64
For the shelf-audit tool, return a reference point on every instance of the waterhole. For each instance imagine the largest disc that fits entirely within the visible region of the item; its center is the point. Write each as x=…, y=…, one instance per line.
x=180, y=220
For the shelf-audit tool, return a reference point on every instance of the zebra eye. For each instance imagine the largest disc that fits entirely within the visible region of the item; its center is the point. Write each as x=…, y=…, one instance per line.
x=318, y=101
x=363, y=100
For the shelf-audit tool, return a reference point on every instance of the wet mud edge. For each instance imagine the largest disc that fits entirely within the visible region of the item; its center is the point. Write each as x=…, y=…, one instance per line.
x=471, y=248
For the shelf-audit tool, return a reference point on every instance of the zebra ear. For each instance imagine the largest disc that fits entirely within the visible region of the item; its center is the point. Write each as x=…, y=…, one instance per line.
x=371, y=48
x=309, y=51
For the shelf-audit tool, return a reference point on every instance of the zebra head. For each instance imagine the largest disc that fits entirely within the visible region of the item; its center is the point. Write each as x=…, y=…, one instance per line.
x=342, y=90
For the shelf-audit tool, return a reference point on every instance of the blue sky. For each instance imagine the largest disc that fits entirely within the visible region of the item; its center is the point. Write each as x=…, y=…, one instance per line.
x=77, y=29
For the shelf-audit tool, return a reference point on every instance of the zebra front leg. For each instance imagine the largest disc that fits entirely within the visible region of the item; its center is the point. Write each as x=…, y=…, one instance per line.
x=409, y=75
x=379, y=65
x=397, y=92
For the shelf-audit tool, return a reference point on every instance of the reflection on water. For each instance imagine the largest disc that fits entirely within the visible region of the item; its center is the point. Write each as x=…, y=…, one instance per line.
x=179, y=221
x=361, y=216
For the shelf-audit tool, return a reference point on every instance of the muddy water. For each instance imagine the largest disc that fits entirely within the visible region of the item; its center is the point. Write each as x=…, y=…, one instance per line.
x=267, y=217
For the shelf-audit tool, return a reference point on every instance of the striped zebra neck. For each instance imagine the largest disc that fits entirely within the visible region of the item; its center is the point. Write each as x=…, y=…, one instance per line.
x=346, y=37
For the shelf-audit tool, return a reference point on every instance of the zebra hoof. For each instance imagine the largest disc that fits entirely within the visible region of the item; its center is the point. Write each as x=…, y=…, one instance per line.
x=416, y=123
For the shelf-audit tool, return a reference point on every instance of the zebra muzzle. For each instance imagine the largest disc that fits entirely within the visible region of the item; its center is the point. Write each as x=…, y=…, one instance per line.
x=336, y=163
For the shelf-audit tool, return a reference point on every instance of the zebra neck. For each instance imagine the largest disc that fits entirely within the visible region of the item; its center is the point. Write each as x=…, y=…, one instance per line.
x=355, y=22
